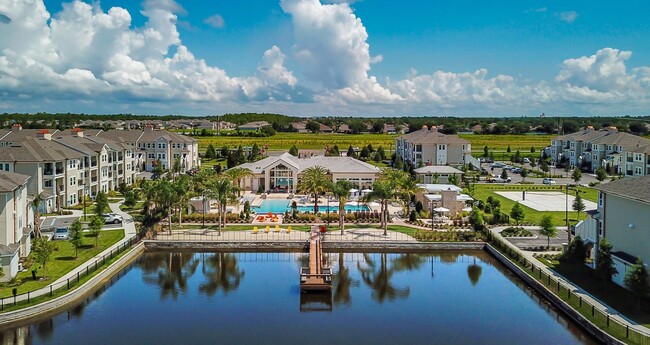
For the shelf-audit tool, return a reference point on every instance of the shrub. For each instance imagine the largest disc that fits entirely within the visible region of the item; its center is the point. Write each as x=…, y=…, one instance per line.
x=516, y=231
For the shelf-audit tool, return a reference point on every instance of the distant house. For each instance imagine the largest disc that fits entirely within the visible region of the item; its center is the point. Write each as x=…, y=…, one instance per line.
x=344, y=129
x=300, y=126
x=389, y=128
x=621, y=218
x=254, y=126
x=325, y=129
x=427, y=146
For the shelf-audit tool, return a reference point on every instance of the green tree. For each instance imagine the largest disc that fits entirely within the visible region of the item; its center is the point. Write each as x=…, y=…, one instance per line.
x=293, y=151
x=476, y=219
x=544, y=166
x=577, y=175
x=548, y=229
x=504, y=174
x=381, y=152
x=604, y=262
x=237, y=174
x=129, y=199
x=382, y=190
x=43, y=249
x=101, y=203
x=532, y=149
x=341, y=190
x=351, y=152
x=486, y=153
x=577, y=251
x=313, y=126
x=95, y=226
x=255, y=153
x=453, y=179
x=578, y=205
x=524, y=174
x=315, y=181
x=517, y=213
x=224, y=151
x=508, y=149
x=636, y=280
x=75, y=235
x=601, y=174
x=210, y=152
x=365, y=152
x=224, y=191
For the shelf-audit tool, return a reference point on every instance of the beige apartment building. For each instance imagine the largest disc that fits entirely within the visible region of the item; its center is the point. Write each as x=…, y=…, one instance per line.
x=427, y=146
x=16, y=222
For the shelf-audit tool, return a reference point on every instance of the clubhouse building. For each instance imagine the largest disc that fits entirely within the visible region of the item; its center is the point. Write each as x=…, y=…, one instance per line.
x=281, y=174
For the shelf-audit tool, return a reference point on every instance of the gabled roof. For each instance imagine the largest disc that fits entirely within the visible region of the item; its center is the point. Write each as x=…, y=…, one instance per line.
x=11, y=181
x=637, y=188
x=14, y=136
x=37, y=150
x=426, y=136
x=333, y=164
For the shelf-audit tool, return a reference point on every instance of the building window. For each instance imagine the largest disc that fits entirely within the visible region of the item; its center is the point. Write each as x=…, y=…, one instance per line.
x=4, y=166
x=638, y=171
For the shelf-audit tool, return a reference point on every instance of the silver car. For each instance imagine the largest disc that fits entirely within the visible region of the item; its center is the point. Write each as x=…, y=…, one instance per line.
x=61, y=234
x=112, y=218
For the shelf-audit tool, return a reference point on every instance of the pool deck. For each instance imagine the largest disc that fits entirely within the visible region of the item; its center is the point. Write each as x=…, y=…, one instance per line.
x=257, y=200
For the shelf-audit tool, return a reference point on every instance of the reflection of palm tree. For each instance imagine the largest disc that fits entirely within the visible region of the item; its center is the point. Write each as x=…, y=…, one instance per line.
x=408, y=262
x=474, y=272
x=378, y=279
x=342, y=283
x=222, y=273
x=170, y=271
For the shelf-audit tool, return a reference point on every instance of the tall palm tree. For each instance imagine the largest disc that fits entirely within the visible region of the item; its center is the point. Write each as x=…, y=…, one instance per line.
x=343, y=282
x=36, y=204
x=167, y=195
x=407, y=189
x=170, y=271
x=223, y=190
x=378, y=279
x=383, y=191
x=340, y=190
x=184, y=191
x=237, y=174
x=315, y=180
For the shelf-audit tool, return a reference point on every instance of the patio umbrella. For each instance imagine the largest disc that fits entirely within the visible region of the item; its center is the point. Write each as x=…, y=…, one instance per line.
x=353, y=190
x=467, y=209
x=441, y=209
x=366, y=190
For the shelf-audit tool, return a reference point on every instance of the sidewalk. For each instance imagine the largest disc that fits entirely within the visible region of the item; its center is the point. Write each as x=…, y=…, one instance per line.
x=614, y=314
x=129, y=233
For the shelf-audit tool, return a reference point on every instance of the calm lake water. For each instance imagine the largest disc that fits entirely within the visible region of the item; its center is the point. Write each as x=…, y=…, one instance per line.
x=253, y=298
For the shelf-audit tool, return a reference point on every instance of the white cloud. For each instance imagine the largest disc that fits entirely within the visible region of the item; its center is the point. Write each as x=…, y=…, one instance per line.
x=86, y=51
x=331, y=44
x=567, y=17
x=215, y=21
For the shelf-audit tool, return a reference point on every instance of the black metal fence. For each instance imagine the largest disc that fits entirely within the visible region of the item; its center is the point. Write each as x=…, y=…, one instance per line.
x=21, y=298
x=593, y=313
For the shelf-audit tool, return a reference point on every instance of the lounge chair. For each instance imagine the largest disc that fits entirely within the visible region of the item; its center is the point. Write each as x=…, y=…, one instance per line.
x=288, y=229
x=277, y=228
x=267, y=229
x=255, y=230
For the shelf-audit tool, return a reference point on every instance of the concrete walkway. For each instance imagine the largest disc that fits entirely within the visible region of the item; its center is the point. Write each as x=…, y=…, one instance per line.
x=614, y=314
x=129, y=233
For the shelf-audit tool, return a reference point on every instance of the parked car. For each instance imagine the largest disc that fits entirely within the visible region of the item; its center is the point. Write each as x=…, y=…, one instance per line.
x=497, y=165
x=516, y=170
x=526, y=160
x=112, y=218
x=61, y=234
x=501, y=180
x=548, y=181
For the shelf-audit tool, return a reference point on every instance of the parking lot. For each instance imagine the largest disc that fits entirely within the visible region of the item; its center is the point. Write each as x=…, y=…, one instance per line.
x=516, y=178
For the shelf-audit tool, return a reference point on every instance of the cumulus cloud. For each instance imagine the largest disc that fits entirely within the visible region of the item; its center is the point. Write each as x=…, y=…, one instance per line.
x=86, y=51
x=568, y=16
x=331, y=44
x=215, y=21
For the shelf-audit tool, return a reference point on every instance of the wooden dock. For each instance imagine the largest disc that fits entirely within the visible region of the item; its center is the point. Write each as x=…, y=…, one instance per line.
x=318, y=276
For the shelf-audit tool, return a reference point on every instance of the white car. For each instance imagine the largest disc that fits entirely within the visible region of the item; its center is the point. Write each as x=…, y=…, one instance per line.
x=61, y=234
x=548, y=181
x=112, y=218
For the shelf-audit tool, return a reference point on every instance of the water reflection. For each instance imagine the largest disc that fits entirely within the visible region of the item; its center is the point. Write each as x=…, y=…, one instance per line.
x=170, y=271
x=378, y=278
x=390, y=298
x=221, y=272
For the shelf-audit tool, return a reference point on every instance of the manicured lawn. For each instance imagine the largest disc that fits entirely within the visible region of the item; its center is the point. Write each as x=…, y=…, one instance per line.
x=500, y=143
x=610, y=293
x=304, y=141
x=63, y=260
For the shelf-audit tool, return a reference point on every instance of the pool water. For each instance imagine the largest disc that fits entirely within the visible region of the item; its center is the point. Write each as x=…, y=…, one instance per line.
x=282, y=205
x=439, y=297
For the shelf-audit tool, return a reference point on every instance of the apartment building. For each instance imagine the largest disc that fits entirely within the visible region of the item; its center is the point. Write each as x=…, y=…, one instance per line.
x=16, y=222
x=427, y=146
x=621, y=218
x=618, y=152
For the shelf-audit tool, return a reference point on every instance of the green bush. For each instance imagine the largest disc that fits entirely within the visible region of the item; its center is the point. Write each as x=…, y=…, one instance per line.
x=516, y=231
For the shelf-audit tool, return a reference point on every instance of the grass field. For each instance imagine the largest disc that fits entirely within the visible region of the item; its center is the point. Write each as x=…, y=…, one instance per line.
x=63, y=261
x=308, y=141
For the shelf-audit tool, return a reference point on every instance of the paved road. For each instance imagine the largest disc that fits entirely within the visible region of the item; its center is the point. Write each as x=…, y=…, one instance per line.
x=516, y=178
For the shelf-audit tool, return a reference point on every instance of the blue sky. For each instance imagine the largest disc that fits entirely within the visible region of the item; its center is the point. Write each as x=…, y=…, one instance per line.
x=305, y=57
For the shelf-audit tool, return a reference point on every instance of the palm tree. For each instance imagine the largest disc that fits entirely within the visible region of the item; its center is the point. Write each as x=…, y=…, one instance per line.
x=236, y=174
x=408, y=187
x=170, y=271
x=184, y=191
x=383, y=191
x=342, y=283
x=167, y=195
x=315, y=181
x=223, y=190
x=340, y=190
x=36, y=204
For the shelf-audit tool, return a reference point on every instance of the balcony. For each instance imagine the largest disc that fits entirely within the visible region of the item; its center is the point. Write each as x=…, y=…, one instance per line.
x=59, y=171
x=93, y=179
x=120, y=172
x=48, y=172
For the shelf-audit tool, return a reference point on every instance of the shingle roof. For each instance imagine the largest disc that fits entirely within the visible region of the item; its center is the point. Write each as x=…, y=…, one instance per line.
x=11, y=181
x=637, y=188
x=438, y=169
x=37, y=150
x=425, y=136
x=23, y=134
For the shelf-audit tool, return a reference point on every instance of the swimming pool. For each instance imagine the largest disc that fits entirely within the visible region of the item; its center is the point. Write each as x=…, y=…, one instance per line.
x=281, y=205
